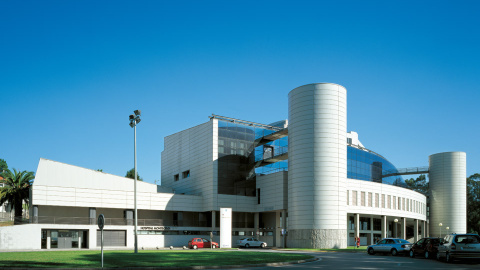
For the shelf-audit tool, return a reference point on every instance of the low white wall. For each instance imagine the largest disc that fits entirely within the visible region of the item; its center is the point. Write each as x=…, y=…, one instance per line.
x=26, y=236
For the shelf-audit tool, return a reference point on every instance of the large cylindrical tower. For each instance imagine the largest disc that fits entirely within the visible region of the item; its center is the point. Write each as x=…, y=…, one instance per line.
x=448, y=193
x=317, y=166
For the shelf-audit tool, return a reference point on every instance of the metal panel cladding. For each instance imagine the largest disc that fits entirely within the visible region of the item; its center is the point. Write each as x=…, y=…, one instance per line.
x=317, y=168
x=448, y=193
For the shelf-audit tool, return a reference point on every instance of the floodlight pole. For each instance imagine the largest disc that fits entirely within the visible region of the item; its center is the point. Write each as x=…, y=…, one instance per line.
x=134, y=120
x=135, y=185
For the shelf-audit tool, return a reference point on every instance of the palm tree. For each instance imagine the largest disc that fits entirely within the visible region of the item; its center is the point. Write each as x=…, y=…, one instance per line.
x=16, y=190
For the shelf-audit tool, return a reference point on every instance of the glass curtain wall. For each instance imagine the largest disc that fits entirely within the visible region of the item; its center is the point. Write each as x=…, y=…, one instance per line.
x=362, y=165
x=239, y=156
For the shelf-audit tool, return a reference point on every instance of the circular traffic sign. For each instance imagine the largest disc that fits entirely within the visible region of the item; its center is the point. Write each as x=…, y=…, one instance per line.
x=101, y=221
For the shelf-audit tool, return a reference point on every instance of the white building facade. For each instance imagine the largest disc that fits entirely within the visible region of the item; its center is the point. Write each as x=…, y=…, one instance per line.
x=303, y=183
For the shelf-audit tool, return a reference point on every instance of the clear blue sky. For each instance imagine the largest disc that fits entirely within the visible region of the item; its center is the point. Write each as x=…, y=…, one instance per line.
x=72, y=71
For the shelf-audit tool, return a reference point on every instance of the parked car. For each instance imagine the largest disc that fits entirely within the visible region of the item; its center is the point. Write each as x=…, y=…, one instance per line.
x=456, y=246
x=390, y=245
x=201, y=243
x=250, y=242
x=427, y=247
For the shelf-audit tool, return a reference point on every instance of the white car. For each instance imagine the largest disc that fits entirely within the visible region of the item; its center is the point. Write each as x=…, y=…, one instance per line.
x=250, y=242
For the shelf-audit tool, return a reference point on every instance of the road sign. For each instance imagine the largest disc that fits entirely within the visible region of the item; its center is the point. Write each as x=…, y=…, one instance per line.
x=101, y=221
x=101, y=224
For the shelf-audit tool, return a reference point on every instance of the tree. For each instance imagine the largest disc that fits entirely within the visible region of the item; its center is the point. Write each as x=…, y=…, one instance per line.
x=16, y=189
x=99, y=170
x=3, y=165
x=473, y=203
x=420, y=184
x=131, y=174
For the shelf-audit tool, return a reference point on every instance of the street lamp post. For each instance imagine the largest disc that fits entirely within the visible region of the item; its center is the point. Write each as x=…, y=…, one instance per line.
x=396, y=228
x=134, y=120
x=440, y=225
x=448, y=228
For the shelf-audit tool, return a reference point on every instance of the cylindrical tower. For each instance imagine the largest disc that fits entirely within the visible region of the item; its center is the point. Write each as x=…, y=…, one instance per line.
x=448, y=193
x=317, y=166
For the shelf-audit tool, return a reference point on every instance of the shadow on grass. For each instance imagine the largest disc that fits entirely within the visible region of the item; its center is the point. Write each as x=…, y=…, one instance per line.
x=31, y=264
x=118, y=259
x=189, y=258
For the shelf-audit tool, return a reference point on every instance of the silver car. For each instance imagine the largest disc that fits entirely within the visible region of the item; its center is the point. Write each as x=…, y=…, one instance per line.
x=250, y=242
x=455, y=246
x=393, y=246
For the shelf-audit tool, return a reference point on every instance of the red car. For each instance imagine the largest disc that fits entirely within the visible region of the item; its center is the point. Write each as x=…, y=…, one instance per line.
x=201, y=243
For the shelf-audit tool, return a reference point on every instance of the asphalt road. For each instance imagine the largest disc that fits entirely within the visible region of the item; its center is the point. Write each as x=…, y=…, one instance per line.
x=361, y=260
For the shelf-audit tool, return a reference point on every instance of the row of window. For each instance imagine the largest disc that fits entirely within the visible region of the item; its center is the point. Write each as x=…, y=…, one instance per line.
x=386, y=201
x=185, y=174
x=234, y=233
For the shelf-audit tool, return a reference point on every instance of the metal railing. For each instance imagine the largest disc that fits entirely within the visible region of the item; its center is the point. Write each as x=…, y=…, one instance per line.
x=115, y=221
x=406, y=171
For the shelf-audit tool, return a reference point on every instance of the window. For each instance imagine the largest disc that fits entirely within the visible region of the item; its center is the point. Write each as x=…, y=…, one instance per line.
x=383, y=200
x=258, y=195
x=348, y=197
x=186, y=174
x=370, y=199
x=399, y=203
x=389, y=202
x=377, y=199
x=403, y=204
x=394, y=202
x=362, y=198
x=176, y=177
x=354, y=198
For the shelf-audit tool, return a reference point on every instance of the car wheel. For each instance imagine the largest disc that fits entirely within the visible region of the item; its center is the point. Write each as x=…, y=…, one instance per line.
x=214, y=246
x=412, y=254
x=262, y=245
x=371, y=251
x=247, y=245
x=394, y=252
x=448, y=258
x=427, y=254
x=194, y=247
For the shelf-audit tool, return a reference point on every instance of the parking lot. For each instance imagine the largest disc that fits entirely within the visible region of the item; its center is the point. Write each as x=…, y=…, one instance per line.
x=361, y=260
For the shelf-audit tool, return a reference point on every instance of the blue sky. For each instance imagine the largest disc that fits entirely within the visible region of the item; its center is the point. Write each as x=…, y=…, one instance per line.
x=72, y=71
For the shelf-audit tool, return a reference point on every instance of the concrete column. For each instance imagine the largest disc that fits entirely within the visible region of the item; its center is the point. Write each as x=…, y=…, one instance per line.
x=384, y=227
x=416, y=230
x=49, y=238
x=284, y=227
x=92, y=214
x=371, y=231
x=277, y=240
x=357, y=224
x=428, y=228
x=214, y=220
x=79, y=241
x=424, y=229
x=35, y=214
x=256, y=222
x=129, y=217
x=403, y=228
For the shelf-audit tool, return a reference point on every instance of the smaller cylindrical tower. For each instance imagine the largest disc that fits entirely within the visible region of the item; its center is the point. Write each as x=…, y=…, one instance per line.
x=448, y=193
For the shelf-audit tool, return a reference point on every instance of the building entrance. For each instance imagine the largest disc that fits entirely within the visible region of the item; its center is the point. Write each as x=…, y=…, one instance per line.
x=64, y=239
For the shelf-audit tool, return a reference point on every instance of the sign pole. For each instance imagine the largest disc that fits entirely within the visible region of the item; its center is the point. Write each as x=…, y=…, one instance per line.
x=101, y=224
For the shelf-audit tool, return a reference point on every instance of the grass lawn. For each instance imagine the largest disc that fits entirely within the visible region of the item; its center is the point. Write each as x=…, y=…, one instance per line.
x=145, y=258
